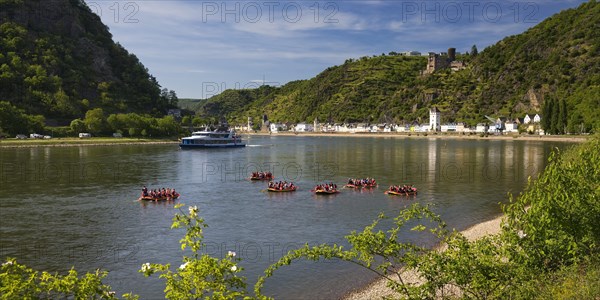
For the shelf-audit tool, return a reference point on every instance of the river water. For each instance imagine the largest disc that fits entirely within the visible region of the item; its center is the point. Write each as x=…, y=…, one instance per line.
x=63, y=207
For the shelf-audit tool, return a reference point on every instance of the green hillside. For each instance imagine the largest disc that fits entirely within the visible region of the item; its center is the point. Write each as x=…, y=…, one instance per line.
x=557, y=59
x=58, y=60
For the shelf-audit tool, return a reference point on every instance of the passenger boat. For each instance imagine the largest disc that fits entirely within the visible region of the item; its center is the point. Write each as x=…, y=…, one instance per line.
x=148, y=198
x=282, y=190
x=220, y=138
x=410, y=193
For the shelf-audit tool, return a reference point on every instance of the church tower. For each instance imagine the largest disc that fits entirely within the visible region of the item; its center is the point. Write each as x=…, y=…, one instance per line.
x=435, y=119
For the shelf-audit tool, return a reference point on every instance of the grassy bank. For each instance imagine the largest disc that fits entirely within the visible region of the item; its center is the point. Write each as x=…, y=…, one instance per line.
x=78, y=142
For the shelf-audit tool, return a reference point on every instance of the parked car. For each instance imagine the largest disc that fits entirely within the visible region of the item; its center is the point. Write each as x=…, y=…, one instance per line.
x=21, y=137
x=117, y=135
x=36, y=136
x=83, y=135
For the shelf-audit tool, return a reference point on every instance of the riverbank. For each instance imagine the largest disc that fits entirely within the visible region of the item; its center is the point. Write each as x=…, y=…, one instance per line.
x=71, y=142
x=523, y=137
x=378, y=289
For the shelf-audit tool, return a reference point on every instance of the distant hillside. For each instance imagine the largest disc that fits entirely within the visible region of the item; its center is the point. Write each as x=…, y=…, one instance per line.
x=559, y=58
x=189, y=104
x=57, y=59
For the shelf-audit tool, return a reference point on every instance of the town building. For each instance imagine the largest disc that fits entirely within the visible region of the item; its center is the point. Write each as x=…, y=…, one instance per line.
x=435, y=119
x=411, y=53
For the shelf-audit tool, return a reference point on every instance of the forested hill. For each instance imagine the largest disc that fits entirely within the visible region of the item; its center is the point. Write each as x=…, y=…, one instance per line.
x=559, y=59
x=58, y=59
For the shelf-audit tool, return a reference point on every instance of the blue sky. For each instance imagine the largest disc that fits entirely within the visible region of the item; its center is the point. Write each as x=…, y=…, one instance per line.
x=200, y=48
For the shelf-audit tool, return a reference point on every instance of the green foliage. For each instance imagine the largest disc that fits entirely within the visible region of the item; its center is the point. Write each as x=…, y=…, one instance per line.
x=474, y=51
x=558, y=213
x=200, y=275
x=580, y=281
x=554, y=120
x=78, y=126
x=20, y=282
x=94, y=120
x=62, y=69
x=133, y=124
x=14, y=120
x=381, y=252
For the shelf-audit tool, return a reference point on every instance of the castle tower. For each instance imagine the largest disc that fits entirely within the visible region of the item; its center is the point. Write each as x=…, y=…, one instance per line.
x=435, y=119
x=451, y=54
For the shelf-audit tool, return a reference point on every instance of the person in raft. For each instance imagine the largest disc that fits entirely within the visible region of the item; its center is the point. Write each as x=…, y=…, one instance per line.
x=262, y=175
x=160, y=193
x=326, y=187
x=281, y=185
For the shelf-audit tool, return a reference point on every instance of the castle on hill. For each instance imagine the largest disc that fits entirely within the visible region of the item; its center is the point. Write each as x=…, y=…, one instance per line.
x=443, y=60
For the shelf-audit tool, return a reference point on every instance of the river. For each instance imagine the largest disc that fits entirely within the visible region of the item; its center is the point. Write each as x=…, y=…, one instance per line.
x=63, y=207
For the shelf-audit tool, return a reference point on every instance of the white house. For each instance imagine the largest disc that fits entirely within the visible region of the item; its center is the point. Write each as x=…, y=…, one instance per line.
x=527, y=119
x=276, y=127
x=435, y=119
x=537, y=118
x=303, y=127
x=361, y=127
x=481, y=128
x=511, y=126
x=411, y=53
x=402, y=128
x=448, y=127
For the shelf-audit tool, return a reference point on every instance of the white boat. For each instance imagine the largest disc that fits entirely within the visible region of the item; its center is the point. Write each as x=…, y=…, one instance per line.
x=219, y=138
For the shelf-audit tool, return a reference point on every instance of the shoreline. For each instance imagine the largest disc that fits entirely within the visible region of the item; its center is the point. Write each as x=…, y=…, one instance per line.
x=377, y=289
x=77, y=143
x=72, y=142
x=511, y=137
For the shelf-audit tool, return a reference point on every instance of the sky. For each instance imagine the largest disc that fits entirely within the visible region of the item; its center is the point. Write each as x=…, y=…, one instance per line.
x=200, y=48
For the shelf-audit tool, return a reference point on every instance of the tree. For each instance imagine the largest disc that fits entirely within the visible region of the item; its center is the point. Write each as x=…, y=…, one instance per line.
x=186, y=120
x=562, y=116
x=10, y=119
x=474, y=51
x=546, y=115
x=94, y=120
x=15, y=121
x=555, y=122
x=197, y=121
x=168, y=126
x=173, y=98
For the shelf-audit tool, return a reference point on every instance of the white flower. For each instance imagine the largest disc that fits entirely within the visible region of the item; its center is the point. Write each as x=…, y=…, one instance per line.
x=110, y=294
x=521, y=234
x=193, y=211
x=183, y=266
x=8, y=263
x=146, y=267
x=231, y=254
x=233, y=268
